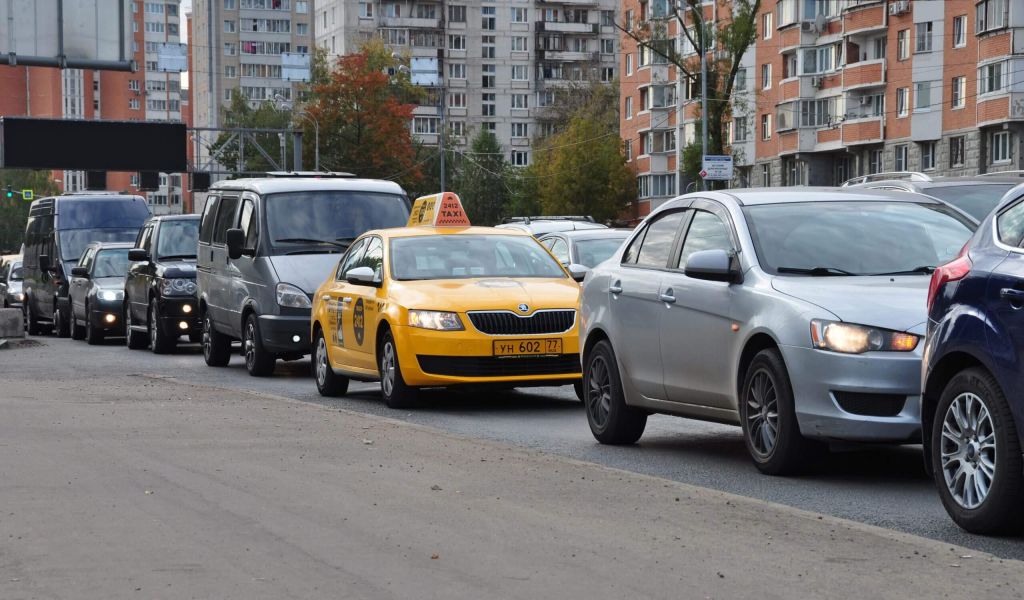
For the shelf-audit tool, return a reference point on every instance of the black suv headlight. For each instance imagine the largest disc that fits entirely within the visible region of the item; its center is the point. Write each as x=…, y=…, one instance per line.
x=178, y=287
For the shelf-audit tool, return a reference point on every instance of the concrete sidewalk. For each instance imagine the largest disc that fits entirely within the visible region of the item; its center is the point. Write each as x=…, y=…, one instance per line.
x=136, y=487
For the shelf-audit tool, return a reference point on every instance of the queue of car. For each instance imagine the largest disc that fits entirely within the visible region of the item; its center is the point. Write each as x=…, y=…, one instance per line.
x=801, y=315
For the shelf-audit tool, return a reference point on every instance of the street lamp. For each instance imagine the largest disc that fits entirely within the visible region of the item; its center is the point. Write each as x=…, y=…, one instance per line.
x=703, y=92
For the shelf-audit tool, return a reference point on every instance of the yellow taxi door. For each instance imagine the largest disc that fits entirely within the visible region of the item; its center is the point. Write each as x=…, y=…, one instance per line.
x=365, y=304
x=337, y=310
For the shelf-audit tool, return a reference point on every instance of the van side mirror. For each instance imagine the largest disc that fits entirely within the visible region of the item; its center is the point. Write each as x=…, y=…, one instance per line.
x=44, y=262
x=362, y=276
x=711, y=265
x=138, y=255
x=234, y=238
x=80, y=272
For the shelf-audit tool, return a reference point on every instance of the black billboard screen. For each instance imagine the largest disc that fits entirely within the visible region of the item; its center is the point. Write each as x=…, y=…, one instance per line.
x=27, y=143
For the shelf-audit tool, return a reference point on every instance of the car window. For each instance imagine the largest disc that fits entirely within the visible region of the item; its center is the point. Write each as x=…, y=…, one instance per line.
x=225, y=217
x=326, y=218
x=1010, y=225
x=629, y=256
x=206, y=228
x=706, y=232
x=349, y=260
x=976, y=200
x=111, y=263
x=16, y=274
x=143, y=239
x=248, y=224
x=178, y=239
x=593, y=252
x=561, y=251
x=657, y=244
x=86, y=259
x=373, y=257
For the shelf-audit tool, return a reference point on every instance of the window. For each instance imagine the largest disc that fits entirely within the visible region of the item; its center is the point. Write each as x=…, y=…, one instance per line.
x=487, y=46
x=457, y=13
x=519, y=15
x=520, y=158
x=766, y=126
x=629, y=107
x=902, y=45
x=487, y=79
x=487, y=109
x=133, y=103
x=365, y=10
x=133, y=85
x=958, y=92
x=230, y=71
x=607, y=46
x=766, y=76
x=520, y=72
x=629, y=64
x=902, y=108
x=740, y=83
x=821, y=60
x=989, y=15
x=767, y=25
x=229, y=26
x=927, y=156
x=152, y=27
x=302, y=29
x=426, y=125
x=456, y=42
x=900, y=157
x=706, y=232
x=923, y=37
x=456, y=70
x=457, y=100
x=520, y=129
x=956, y=150
x=1011, y=225
x=519, y=43
x=627, y=148
x=607, y=74
x=426, y=11
x=520, y=101
x=225, y=216
x=766, y=175
x=248, y=225
x=991, y=78
x=788, y=10
x=301, y=6
x=740, y=131
x=999, y=143
x=457, y=128
x=487, y=19
x=230, y=49
x=960, y=31
x=656, y=244
x=922, y=95
x=649, y=186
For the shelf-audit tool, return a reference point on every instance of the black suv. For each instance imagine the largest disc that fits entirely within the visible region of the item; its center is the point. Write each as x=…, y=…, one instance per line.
x=160, y=290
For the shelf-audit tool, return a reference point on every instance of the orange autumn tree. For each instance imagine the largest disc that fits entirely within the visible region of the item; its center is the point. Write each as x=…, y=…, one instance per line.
x=364, y=115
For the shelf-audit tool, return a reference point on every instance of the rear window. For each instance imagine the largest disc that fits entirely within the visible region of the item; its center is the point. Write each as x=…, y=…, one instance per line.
x=976, y=200
x=92, y=213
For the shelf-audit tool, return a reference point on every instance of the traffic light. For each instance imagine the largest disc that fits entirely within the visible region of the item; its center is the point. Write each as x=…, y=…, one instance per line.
x=10, y=192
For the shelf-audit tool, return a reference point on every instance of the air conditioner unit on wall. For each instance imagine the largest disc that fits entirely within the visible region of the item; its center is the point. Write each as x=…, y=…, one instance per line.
x=806, y=25
x=899, y=7
x=816, y=81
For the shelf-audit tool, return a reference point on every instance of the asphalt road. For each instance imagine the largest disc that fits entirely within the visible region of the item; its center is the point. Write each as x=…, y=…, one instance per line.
x=882, y=486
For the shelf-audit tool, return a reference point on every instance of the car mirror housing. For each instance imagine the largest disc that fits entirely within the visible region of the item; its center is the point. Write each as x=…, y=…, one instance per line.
x=711, y=265
x=80, y=272
x=138, y=255
x=578, y=271
x=362, y=276
x=235, y=239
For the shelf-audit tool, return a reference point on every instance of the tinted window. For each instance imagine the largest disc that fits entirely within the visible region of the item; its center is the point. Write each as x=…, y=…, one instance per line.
x=143, y=240
x=206, y=229
x=330, y=217
x=86, y=260
x=591, y=253
x=248, y=223
x=561, y=251
x=468, y=256
x=706, y=232
x=225, y=217
x=74, y=241
x=178, y=239
x=102, y=212
x=657, y=244
x=111, y=263
x=975, y=200
x=1010, y=224
x=862, y=238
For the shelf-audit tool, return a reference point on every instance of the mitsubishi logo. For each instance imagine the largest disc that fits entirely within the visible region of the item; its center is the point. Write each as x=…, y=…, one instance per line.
x=524, y=308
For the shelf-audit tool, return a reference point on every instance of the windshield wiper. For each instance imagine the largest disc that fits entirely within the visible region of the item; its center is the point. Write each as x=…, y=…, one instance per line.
x=816, y=271
x=314, y=241
x=925, y=270
x=178, y=256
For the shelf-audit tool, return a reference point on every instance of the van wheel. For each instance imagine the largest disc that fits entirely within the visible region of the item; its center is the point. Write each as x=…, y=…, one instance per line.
x=77, y=330
x=159, y=342
x=61, y=327
x=258, y=361
x=216, y=345
x=768, y=418
x=328, y=383
x=93, y=334
x=392, y=385
x=611, y=420
x=133, y=339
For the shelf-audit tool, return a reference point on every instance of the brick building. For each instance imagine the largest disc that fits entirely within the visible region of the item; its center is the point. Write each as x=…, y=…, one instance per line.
x=837, y=88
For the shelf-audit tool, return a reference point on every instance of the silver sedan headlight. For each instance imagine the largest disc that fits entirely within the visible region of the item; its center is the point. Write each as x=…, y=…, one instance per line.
x=178, y=287
x=110, y=295
x=858, y=339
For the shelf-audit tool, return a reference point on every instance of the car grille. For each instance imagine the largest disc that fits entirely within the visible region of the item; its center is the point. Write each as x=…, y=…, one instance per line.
x=492, y=366
x=871, y=405
x=509, y=323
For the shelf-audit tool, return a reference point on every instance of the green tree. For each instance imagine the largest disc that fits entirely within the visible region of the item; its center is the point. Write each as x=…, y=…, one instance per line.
x=265, y=115
x=482, y=181
x=725, y=47
x=14, y=211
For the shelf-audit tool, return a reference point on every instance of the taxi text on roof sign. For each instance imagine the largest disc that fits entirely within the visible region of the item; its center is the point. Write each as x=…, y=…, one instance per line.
x=438, y=210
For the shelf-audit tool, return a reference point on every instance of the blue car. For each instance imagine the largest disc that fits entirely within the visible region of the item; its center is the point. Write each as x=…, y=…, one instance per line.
x=972, y=407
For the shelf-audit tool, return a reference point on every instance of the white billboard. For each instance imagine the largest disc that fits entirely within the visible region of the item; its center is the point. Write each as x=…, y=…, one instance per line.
x=67, y=33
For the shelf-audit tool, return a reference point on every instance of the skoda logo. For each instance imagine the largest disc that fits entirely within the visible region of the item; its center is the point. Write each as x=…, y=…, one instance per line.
x=524, y=307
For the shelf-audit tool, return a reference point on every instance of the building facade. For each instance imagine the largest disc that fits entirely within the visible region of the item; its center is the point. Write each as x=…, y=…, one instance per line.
x=498, y=64
x=832, y=89
x=146, y=94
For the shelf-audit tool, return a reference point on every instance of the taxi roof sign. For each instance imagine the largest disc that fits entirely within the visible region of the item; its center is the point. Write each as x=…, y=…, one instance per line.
x=438, y=210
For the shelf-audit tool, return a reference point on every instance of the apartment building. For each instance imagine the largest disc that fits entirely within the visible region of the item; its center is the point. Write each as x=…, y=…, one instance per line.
x=837, y=88
x=146, y=94
x=498, y=63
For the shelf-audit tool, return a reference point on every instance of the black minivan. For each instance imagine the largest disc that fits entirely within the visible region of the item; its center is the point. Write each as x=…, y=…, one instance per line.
x=59, y=228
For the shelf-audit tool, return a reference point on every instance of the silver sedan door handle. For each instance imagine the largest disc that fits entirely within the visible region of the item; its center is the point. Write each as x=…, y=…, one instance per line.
x=667, y=297
x=615, y=288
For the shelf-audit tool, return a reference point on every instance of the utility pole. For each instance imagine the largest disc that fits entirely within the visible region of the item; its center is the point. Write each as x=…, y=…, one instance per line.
x=442, y=134
x=703, y=96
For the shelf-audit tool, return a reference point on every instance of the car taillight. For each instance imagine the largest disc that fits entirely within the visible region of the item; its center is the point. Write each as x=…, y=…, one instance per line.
x=951, y=271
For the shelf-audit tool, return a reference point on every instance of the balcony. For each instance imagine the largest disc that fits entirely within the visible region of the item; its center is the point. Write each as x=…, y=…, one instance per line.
x=410, y=23
x=864, y=18
x=864, y=74
x=563, y=55
x=559, y=27
x=866, y=130
x=829, y=139
x=569, y=2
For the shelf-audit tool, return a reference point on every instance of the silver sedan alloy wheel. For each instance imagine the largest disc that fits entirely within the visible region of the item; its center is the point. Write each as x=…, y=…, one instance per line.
x=968, y=450
x=763, y=412
x=599, y=391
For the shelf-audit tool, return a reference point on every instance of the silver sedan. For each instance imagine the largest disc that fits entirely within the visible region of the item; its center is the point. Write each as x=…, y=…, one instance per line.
x=796, y=313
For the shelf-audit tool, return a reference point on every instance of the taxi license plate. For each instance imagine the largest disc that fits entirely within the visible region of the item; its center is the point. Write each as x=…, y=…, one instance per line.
x=527, y=347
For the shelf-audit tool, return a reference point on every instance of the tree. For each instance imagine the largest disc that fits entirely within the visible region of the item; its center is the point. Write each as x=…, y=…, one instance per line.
x=14, y=211
x=265, y=115
x=482, y=181
x=726, y=46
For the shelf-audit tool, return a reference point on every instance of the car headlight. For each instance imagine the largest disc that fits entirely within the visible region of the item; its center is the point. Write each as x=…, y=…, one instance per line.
x=178, y=287
x=20, y=297
x=110, y=295
x=435, y=319
x=291, y=296
x=858, y=339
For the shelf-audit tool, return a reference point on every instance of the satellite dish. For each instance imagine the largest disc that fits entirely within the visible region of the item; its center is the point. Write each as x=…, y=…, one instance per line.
x=819, y=23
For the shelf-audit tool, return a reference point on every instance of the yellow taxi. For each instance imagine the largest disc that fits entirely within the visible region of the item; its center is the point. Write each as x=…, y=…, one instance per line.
x=441, y=303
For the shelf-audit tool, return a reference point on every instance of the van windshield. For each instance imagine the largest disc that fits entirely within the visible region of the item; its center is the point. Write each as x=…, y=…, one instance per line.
x=113, y=212
x=74, y=241
x=324, y=220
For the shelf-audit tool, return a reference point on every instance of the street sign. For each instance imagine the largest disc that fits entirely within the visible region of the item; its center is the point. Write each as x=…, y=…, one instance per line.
x=27, y=195
x=717, y=167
